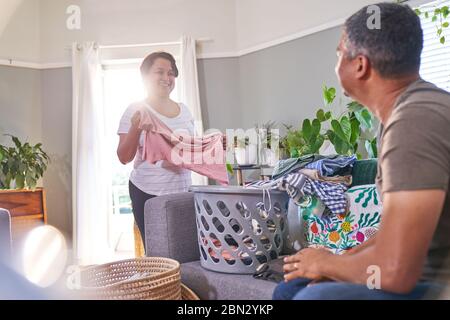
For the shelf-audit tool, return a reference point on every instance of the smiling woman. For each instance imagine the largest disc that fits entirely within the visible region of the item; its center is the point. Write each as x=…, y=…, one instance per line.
x=158, y=71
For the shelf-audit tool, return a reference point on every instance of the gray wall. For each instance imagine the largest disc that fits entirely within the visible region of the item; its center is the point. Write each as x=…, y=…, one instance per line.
x=57, y=139
x=282, y=83
x=35, y=105
x=20, y=104
x=219, y=93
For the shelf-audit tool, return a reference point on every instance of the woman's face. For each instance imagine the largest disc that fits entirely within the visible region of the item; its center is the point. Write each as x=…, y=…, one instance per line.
x=160, y=79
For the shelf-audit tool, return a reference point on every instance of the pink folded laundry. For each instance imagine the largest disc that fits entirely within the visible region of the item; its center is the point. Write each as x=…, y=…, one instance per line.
x=204, y=155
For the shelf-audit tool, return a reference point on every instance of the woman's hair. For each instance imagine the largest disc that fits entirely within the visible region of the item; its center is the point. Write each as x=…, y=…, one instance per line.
x=151, y=58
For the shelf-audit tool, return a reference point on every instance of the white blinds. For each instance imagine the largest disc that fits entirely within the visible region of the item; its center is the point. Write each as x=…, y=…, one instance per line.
x=436, y=56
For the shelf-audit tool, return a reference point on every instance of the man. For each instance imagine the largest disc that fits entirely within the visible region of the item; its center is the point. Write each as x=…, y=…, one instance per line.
x=380, y=69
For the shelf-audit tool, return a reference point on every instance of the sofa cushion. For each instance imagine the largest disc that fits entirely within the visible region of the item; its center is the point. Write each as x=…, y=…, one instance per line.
x=170, y=227
x=210, y=285
x=342, y=232
x=364, y=172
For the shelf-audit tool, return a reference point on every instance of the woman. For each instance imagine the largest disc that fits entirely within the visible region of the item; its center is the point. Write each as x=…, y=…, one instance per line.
x=158, y=72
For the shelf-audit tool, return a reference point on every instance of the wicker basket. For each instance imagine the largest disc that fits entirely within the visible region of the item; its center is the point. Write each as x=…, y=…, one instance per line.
x=188, y=294
x=134, y=279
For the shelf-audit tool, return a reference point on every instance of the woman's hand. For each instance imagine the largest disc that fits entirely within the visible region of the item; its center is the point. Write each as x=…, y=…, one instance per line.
x=136, y=121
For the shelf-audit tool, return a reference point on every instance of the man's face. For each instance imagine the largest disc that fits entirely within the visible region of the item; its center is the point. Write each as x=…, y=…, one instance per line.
x=344, y=67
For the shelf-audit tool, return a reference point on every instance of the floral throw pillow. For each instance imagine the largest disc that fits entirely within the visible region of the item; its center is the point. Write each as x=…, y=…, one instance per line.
x=342, y=232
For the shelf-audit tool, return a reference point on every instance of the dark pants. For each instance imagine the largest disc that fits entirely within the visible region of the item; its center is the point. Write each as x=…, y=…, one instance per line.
x=138, y=199
x=297, y=290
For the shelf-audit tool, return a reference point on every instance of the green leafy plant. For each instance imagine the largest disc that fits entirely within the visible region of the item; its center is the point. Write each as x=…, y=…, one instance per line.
x=22, y=163
x=438, y=15
x=346, y=132
x=307, y=140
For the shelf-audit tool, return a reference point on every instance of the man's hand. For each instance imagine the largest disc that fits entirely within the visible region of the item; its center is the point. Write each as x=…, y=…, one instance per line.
x=305, y=264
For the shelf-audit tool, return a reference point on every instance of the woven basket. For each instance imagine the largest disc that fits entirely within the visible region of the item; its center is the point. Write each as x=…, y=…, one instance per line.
x=188, y=294
x=134, y=279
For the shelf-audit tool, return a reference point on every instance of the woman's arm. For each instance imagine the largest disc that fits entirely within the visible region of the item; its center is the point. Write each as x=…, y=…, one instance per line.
x=129, y=142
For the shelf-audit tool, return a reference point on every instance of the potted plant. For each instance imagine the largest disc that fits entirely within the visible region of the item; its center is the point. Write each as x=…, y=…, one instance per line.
x=246, y=153
x=21, y=166
x=345, y=132
x=269, y=143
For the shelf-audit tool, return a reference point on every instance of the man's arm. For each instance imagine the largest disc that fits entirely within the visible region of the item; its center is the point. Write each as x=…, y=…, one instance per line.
x=408, y=224
x=362, y=246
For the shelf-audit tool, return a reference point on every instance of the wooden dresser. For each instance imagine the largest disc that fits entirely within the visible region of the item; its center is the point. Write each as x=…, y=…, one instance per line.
x=27, y=209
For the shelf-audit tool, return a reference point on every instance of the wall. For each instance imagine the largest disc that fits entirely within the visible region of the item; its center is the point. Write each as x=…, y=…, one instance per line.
x=57, y=139
x=261, y=21
x=284, y=83
x=20, y=23
x=139, y=21
x=20, y=104
x=219, y=93
x=35, y=105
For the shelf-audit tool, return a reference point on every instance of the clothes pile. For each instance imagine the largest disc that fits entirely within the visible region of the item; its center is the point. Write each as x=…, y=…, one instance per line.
x=324, y=177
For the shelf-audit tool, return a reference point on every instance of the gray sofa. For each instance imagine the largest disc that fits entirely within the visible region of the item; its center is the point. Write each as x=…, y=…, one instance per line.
x=171, y=231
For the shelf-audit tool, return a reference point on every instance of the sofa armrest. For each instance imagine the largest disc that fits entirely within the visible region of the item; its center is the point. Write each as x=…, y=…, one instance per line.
x=5, y=235
x=170, y=227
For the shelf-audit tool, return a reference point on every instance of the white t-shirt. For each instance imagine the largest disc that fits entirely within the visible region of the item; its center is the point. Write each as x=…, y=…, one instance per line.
x=162, y=177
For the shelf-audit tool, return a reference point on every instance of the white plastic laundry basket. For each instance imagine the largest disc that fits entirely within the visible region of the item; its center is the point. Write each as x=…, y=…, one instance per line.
x=238, y=228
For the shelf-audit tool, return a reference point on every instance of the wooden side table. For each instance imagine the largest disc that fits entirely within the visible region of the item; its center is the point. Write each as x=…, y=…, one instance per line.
x=265, y=172
x=239, y=172
x=27, y=208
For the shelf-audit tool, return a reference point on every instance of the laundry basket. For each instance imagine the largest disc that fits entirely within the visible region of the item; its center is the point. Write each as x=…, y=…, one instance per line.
x=238, y=228
x=134, y=279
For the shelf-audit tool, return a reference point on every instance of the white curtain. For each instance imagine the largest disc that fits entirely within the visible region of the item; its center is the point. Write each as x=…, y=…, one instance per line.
x=90, y=166
x=190, y=93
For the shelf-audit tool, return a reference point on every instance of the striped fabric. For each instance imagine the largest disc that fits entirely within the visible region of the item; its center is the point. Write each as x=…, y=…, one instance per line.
x=332, y=195
x=297, y=186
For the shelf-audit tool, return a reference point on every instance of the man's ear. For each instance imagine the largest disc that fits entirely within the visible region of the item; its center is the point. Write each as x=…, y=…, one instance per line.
x=363, y=67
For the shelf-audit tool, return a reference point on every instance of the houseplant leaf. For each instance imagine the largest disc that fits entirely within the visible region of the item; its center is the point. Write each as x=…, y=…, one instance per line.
x=316, y=126
x=371, y=147
x=329, y=94
x=365, y=118
x=355, y=131
x=20, y=181
x=307, y=129
x=340, y=145
x=321, y=115
x=354, y=106
x=337, y=129
x=346, y=127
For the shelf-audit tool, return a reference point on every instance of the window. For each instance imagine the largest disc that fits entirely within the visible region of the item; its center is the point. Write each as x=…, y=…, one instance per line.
x=122, y=85
x=435, y=66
